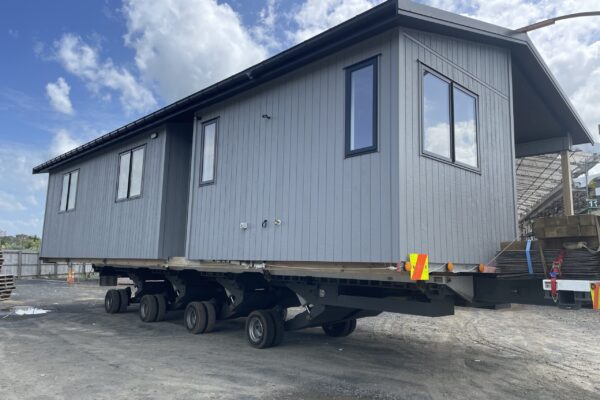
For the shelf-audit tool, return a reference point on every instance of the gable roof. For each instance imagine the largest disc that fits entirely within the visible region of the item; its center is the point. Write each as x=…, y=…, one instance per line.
x=376, y=20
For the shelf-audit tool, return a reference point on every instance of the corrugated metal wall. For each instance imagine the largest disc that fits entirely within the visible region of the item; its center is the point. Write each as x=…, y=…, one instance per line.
x=292, y=167
x=450, y=213
x=371, y=208
x=99, y=227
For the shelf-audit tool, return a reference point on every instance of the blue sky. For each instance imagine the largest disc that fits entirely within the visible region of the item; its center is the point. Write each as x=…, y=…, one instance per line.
x=74, y=70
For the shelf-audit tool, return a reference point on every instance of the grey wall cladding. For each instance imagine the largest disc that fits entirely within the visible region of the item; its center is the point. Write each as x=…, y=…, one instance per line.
x=100, y=227
x=370, y=208
x=292, y=167
x=450, y=213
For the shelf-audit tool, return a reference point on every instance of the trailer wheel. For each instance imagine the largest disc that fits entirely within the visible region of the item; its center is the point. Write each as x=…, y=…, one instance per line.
x=340, y=329
x=211, y=316
x=124, y=300
x=161, y=311
x=195, y=317
x=112, y=301
x=148, y=308
x=260, y=329
x=278, y=320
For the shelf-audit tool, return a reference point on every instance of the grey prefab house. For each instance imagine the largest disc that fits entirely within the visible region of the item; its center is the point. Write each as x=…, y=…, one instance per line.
x=395, y=132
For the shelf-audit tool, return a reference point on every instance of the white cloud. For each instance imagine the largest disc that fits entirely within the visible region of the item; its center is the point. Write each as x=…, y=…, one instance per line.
x=9, y=202
x=58, y=93
x=315, y=16
x=182, y=46
x=62, y=142
x=571, y=48
x=22, y=194
x=82, y=60
x=265, y=31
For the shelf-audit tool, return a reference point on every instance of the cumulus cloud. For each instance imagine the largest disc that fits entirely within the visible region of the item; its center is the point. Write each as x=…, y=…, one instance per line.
x=21, y=193
x=316, y=16
x=571, y=48
x=83, y=60
x=182, y=46
x=58, y=93
x=9, y=202
x=62, y=142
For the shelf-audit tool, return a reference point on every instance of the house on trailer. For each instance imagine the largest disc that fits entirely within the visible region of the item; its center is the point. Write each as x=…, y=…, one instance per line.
x=392, y=133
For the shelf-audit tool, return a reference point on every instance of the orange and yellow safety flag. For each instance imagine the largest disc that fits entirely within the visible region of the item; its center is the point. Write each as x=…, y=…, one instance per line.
x=419, y=267
x=595, y=291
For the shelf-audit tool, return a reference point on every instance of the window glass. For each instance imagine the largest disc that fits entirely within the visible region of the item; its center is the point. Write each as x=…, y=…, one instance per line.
x=436, y=115
x=137, y=168
x=65, y=193
x=362, y=108
x=465, y=128
x=123, y=187
x=72, y=190
x=208, y=152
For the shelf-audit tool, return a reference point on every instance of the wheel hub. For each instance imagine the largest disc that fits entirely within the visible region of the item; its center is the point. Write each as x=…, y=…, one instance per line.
x=256, y=330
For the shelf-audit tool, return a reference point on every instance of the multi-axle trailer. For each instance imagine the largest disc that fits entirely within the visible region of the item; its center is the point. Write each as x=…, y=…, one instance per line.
x=333, y=296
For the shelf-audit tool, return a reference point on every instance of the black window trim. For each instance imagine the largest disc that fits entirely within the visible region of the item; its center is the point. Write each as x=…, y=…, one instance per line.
x=211, y=121
x=66, y=210
x=451, y=85
x=130, y=151
x=374, y=61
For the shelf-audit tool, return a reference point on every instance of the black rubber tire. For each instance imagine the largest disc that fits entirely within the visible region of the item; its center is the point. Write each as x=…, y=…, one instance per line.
x=195, y=317
x=112, y=301
x=278, y=321
x=260, y=329
x=148, y=308
x=161, y=301
x=211, y=316
x=340, y=329
x=124, y=300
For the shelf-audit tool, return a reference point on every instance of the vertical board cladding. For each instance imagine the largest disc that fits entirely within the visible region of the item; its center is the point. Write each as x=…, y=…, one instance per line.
x=292, y=167
x=101, y=227
x=453, y=214
x=376, y=207
x=176, y=186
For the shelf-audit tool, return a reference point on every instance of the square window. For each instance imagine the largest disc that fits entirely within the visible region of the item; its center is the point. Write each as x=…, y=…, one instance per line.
x=449, y=120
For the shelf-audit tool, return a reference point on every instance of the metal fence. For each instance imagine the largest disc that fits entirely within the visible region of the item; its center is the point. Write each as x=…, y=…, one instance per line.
x=27, y=264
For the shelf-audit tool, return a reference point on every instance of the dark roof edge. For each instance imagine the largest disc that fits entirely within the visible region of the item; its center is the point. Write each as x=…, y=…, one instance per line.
x=338, y=33
x=371, y=22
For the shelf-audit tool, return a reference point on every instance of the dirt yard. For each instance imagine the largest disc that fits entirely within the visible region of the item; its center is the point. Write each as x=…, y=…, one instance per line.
x=76, y=351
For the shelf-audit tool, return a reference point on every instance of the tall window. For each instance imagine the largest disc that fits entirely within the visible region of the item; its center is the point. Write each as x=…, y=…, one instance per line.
x=131, y=169
x=449, y=121
x=361, y=108
x=69, y=191
x=209, y=147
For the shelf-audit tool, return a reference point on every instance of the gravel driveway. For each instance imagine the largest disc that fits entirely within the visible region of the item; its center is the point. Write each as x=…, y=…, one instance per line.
x=77, y=351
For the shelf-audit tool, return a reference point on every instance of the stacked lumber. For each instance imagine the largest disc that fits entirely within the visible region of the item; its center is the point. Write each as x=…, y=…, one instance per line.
x=577, y=264
x=7, y=282
x=578, y=235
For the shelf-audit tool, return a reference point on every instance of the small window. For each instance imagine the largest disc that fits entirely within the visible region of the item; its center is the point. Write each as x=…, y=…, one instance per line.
x=209, y=146
x=131, y=169
x=361, y=108
x=449, y=121
x=69, y=191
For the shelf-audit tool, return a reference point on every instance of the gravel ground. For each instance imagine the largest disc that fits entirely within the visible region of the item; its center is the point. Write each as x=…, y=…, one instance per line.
x=76, y=351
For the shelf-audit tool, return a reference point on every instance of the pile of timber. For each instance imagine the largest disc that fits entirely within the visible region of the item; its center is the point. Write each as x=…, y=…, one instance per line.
x=577, y=264
x=578, y=236
x=7, y=282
